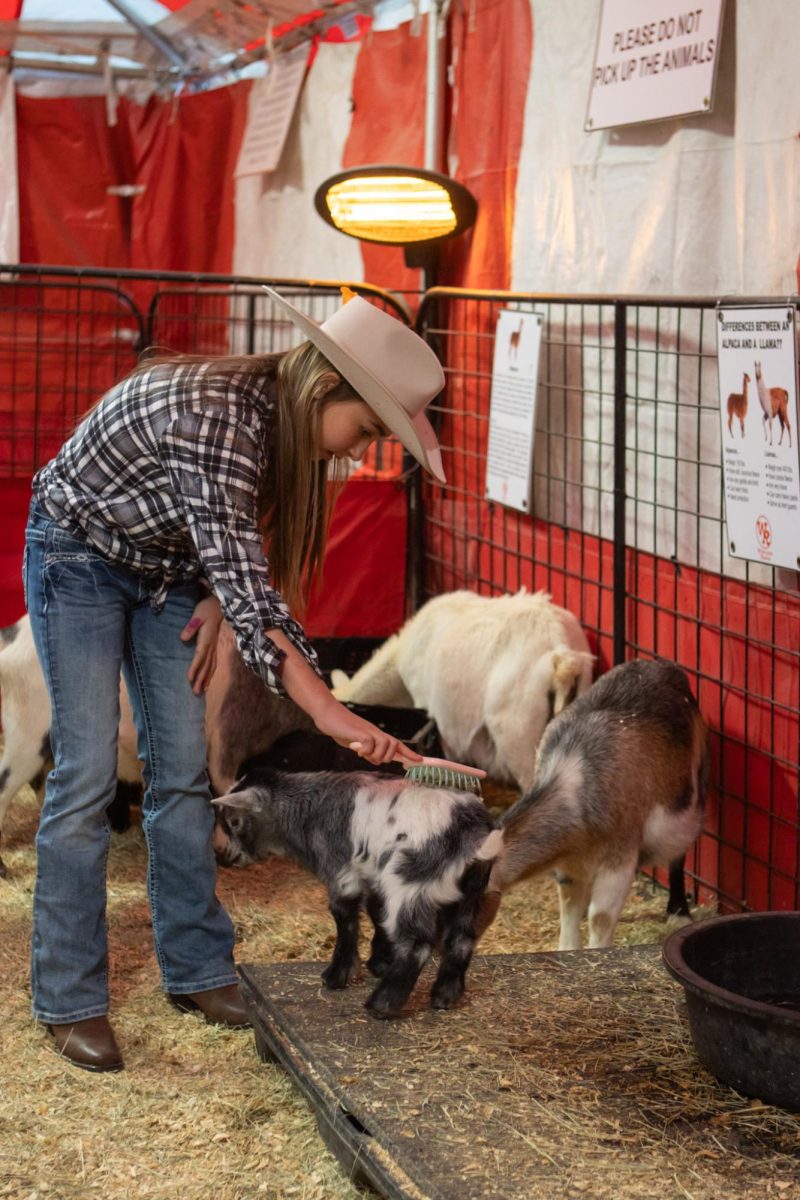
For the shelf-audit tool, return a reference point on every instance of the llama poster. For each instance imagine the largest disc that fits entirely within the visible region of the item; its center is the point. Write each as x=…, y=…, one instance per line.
x=757, y=362
x=512, y=415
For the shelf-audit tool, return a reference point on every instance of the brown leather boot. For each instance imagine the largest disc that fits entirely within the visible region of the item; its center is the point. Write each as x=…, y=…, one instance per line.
x=219, y=1006
x=88, y=1044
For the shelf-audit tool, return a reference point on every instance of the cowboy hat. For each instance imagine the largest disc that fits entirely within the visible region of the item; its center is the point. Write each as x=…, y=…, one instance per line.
x=390, y=367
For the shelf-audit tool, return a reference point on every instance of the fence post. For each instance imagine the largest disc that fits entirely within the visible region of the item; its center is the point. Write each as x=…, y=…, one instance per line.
x=251, y=323
x=620, y=434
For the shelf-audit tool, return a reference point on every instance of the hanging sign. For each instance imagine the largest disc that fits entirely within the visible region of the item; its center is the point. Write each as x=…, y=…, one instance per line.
x=271, y=109
x=758, y=405
x=512, y=416
x=654, y=59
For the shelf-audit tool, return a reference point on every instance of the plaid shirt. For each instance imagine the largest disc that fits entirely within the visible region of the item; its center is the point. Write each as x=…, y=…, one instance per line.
x=163, y=477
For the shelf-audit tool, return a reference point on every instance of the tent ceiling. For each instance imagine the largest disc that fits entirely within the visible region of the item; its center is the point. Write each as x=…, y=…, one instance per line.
x=194, y=44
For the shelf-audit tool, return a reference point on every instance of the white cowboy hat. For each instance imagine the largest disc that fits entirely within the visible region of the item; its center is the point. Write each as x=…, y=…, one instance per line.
x=393, y=370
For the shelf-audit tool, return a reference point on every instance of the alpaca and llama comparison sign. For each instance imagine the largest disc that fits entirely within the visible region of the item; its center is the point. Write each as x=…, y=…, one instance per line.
x=757, y=359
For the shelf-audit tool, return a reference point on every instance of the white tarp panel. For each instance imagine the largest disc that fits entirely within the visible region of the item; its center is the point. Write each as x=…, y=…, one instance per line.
x=277, y=229
x=703, y=206
x=9, y=195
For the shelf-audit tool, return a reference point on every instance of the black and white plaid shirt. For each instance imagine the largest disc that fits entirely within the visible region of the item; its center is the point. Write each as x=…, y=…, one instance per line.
x=163, y=477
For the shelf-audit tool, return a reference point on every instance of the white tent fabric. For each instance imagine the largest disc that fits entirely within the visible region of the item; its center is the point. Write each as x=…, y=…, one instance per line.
x=705, y=205
x=9, y=196
x=277, y=232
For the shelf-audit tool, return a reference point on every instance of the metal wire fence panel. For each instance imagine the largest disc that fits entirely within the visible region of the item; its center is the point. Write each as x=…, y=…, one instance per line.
x=628, y=523
x=63, y=342
x=68, y=334
x=565, y=546
x=628, y=532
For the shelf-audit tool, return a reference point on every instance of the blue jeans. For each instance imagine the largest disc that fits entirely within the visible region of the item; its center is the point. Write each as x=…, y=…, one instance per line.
x=92, y=619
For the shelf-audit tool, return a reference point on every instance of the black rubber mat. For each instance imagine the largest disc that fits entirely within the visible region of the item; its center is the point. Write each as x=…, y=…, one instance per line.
x=559, y=1075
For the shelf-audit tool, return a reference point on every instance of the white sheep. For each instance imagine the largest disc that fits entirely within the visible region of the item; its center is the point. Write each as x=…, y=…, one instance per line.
x=491, y=671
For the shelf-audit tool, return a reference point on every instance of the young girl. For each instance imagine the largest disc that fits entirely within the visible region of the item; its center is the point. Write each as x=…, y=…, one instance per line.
x=154, y=510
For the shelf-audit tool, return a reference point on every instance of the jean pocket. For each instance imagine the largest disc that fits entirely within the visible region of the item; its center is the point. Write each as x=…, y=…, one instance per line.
x=63, y=546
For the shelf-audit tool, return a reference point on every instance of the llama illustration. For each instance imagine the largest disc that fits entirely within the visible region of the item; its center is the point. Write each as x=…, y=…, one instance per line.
x=775, y=403
x=737, y=405
x=513, y=342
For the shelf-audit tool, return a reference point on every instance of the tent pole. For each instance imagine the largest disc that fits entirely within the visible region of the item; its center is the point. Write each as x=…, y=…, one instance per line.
x=433, y=88
x=161, y=43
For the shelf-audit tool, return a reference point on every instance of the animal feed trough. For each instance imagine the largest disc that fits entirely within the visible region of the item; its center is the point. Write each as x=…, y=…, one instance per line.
x=562, y=1075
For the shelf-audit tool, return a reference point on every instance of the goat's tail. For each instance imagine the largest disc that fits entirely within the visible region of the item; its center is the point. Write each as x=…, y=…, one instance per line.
x=572, y=675
x=377, y=682
x=491, y=846
x=539, y=828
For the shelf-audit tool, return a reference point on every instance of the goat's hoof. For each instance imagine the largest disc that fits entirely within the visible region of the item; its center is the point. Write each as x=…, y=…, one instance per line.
x=446, y=999
x=3, y=871
x=381, y=1010
x=336, y=979
x=378, y=966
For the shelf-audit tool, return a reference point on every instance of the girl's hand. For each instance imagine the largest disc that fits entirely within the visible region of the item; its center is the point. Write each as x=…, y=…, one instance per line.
x=204, y=625
x=344, y=727
x=330, y=717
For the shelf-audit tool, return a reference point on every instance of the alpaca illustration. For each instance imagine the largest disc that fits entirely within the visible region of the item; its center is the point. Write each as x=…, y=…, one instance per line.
x=775, y=403
x=513, y=342
x=737, y=405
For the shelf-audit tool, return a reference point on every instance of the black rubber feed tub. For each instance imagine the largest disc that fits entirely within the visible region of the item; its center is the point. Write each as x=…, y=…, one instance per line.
x=741, y=975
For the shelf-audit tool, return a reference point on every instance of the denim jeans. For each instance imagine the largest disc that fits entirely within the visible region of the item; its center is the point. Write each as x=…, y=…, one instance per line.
x=92, y=619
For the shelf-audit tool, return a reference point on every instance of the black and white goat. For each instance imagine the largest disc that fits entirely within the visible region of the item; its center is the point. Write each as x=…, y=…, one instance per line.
x=419, y=858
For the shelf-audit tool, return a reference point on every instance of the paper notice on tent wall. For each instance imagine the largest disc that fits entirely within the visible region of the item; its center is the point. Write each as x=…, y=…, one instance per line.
x=653, y=59
x=512, y=415
x=757, y=361
x=272, y=106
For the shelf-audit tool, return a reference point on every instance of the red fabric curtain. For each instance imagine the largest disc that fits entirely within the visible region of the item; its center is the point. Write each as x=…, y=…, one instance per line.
x=183, y=152
x=492, y=63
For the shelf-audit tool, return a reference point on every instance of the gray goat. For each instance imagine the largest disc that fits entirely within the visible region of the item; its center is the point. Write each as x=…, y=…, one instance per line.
x=419, y=858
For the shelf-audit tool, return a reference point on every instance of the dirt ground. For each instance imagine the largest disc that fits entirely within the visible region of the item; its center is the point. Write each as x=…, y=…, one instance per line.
x=196, y=1114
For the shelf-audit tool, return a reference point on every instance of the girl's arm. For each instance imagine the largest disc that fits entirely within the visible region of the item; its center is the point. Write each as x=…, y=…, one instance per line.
x=330, y=717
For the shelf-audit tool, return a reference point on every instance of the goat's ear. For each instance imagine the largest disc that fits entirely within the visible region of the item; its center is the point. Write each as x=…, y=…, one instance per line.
x=250, y=800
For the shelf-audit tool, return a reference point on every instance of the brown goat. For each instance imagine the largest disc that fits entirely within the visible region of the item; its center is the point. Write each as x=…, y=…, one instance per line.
x=620, y=784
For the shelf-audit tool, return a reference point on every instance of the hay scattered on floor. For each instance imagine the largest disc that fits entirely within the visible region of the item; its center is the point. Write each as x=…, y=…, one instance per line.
x=564, y=1075
x=195, y=1114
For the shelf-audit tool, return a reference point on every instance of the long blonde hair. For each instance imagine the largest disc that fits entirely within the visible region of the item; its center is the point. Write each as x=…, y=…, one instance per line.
x=299, y=490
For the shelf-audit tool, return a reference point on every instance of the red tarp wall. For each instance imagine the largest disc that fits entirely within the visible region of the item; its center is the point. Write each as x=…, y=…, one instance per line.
x=492, y=67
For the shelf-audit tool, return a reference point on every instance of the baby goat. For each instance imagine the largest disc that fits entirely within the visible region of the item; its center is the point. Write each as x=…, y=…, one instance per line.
x=620, y=784
x=419, y=858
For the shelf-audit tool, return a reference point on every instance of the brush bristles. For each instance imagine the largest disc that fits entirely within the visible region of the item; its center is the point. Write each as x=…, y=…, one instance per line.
x=444, y=777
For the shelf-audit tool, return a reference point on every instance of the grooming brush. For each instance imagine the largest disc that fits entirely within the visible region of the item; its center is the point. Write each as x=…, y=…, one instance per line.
x=439, y=773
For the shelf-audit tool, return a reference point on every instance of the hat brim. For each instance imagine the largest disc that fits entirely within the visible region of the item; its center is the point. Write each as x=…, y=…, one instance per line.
x=415, y=433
